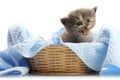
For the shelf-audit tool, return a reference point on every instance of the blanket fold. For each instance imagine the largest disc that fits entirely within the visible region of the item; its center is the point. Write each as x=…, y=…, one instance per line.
x=11, y=61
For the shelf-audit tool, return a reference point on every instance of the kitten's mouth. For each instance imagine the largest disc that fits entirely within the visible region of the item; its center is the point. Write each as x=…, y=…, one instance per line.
x=85, y=31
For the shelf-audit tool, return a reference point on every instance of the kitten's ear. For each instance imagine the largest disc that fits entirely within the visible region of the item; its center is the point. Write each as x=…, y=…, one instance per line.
x=95, y=9
x=64, y=20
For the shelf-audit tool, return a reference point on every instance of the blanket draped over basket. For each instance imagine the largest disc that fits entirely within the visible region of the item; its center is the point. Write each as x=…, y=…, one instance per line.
x=104, y=49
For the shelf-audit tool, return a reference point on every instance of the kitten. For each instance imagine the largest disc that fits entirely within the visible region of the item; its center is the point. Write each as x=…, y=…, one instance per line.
x=78, y=24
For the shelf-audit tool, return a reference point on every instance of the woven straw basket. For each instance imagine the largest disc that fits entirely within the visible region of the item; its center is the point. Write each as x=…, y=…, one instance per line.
x=57, y=60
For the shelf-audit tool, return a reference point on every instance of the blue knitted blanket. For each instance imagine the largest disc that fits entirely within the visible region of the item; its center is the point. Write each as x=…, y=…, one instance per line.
x=104, y=49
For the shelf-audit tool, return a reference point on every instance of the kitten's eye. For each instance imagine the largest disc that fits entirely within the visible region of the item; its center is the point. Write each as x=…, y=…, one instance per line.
x=78, y=23
x=88, y=20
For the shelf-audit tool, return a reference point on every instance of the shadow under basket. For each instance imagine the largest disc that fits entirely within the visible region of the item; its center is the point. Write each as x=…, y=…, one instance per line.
x=57, y=60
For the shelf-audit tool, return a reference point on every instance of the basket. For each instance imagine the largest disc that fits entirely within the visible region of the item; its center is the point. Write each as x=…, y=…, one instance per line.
x=57, y=60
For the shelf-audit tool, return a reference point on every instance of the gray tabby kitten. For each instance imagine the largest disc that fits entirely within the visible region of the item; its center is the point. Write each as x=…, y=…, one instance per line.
x=78, y=24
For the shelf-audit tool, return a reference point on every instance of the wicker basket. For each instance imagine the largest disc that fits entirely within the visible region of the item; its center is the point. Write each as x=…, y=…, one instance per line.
x=57, y=60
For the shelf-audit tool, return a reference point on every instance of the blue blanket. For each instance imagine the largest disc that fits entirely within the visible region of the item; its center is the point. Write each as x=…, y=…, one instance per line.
x=103, y=50
x=11, y=61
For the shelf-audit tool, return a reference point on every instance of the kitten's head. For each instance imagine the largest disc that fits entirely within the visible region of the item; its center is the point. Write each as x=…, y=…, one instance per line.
x=80, y=21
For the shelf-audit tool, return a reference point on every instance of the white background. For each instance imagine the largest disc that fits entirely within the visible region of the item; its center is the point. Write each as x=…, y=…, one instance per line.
x=42, y=17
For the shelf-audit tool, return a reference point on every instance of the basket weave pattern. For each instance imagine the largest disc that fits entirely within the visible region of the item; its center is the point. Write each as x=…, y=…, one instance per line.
x=54, y=60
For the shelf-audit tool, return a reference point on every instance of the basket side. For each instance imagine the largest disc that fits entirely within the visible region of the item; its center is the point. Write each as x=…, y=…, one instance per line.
x=57, y=60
